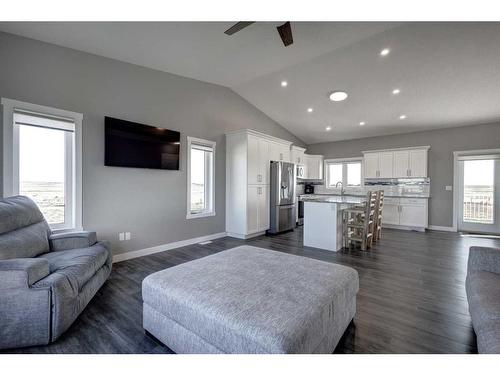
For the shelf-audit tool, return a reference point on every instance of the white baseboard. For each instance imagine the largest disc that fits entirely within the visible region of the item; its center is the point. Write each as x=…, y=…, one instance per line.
x=442, y=229
x=245, y=237
x=165, y=247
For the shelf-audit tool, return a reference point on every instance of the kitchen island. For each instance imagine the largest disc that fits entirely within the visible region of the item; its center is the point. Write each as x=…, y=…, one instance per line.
x=323, y=219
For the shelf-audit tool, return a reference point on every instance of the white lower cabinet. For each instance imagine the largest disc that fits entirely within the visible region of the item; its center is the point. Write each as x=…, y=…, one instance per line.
x=413, y=212
x=406, y=212
x=390, y=213
x=257, y=208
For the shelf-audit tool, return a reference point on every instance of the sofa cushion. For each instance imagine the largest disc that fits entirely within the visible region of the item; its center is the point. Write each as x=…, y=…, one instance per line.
x=27, y=242
x=77, y=266
x=483, y=293
x=23, y=229
x=488, y=340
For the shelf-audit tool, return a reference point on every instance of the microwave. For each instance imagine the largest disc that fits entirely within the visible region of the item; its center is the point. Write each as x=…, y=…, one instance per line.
x=301, y=171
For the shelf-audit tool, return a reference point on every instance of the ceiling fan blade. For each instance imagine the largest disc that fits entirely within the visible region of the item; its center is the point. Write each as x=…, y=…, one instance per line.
x=237, y=27
x=285, y=31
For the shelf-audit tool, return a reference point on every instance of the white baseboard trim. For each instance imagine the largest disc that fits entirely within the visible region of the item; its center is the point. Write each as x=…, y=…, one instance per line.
x=442, y=229
x=245, y=237
x=165, y=247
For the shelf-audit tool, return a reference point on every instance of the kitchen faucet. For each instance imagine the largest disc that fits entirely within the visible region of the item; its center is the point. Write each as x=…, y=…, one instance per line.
x=342, y=191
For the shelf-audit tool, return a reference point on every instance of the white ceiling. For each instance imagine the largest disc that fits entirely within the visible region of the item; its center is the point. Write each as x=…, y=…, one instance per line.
x=447, y=72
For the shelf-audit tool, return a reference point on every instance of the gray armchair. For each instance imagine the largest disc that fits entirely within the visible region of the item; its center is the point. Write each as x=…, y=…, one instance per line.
x=46, y=279
x=483, y=294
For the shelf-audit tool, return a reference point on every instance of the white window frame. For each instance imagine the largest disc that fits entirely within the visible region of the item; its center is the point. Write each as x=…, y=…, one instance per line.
x=344, y=162
x=11, y=157
x=209, y=180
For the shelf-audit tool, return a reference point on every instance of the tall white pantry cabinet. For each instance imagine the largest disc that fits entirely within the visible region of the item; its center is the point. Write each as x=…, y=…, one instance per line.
x=248, y=155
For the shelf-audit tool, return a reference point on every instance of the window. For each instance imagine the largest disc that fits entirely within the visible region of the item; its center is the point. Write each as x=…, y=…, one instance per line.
x=201, y=192
x=347, y=171
x=42, y=160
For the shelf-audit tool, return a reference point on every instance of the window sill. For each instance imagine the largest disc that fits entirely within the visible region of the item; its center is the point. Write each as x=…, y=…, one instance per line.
x=201, y=214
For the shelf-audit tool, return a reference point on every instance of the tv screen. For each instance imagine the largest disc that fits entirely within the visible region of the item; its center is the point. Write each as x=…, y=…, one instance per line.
x=133, y=145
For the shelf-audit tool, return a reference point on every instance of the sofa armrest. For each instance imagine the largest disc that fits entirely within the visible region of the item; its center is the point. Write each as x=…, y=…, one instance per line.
x=484, y=259
x=22, y=272
x=72, y=240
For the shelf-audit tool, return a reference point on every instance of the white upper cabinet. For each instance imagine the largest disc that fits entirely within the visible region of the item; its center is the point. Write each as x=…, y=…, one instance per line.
x=279, y=152
x=371, y=165
x=396, y=163
x=314, y=167
x=401, y=163
x=298, y=155
x=385, y=164
x=258, y=160
x=418, y=163
x=378, y=164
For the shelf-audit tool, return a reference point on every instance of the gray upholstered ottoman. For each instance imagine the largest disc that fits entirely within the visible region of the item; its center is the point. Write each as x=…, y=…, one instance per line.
x=250, y=300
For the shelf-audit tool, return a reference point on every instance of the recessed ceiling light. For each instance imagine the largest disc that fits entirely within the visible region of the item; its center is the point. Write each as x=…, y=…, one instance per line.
x=328, y=128
x=402, y=117
x=310, y=110
x=385, y=52
x=396, y=91
x=362, y=123
x=338, y=96
x=284, y=83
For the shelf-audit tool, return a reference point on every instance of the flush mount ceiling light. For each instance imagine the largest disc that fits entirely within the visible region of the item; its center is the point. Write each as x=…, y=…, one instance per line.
x=338, y=96
x=385, y=52
x=402, y=117
x=310, y=110
x=284, y=83
x=396, y=91
x=362, y=123
x=328, y=128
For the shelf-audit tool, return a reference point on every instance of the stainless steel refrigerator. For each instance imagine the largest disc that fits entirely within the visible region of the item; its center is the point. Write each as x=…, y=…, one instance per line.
x=282, y=202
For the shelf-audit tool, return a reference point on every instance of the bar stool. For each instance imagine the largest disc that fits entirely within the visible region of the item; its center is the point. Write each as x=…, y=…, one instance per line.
x=359, y=222
x=377, y=232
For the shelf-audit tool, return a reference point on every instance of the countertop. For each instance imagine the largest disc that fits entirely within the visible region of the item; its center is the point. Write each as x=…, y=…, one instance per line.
x=364, y=195
x=338, y=199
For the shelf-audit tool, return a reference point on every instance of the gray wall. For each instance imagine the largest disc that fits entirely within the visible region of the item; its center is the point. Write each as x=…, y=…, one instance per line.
x=149, y=203
x=442, y=142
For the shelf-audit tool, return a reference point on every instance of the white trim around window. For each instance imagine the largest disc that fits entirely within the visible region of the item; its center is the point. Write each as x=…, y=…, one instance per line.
x=208, y=206
x=343, y=162
x=55, y=119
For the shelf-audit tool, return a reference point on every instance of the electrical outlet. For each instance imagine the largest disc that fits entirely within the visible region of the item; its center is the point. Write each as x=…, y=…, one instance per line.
x=121, y=236
x=127, y=236
x=448, y=188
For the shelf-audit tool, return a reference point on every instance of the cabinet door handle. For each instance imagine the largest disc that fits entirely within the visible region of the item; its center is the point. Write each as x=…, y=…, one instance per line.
x=409, y=172
x=281, y=156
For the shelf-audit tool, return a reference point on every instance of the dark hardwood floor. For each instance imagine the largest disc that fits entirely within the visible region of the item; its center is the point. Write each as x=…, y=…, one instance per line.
x=411, y=299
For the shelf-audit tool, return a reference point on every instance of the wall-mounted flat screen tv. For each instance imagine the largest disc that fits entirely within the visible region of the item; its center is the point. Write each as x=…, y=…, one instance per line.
x=133, y=145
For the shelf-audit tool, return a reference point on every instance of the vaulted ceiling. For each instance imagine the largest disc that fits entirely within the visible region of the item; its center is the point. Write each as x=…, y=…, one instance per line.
x=447, y=73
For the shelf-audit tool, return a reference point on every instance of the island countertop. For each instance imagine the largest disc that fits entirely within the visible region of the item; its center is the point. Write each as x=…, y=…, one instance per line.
x=344, y=199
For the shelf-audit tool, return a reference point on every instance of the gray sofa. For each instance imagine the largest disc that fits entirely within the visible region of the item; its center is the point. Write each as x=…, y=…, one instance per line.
x=483, y=293
x=46, y=279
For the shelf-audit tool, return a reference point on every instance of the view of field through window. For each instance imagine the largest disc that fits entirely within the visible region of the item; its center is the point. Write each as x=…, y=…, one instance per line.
x=197, y=180
x=478, y=191
x=41, y=169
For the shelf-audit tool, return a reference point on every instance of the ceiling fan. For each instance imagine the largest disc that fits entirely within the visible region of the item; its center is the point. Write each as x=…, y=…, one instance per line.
x=284, y=30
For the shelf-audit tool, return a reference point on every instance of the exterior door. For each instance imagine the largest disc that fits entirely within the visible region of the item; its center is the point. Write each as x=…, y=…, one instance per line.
x=479, y=194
